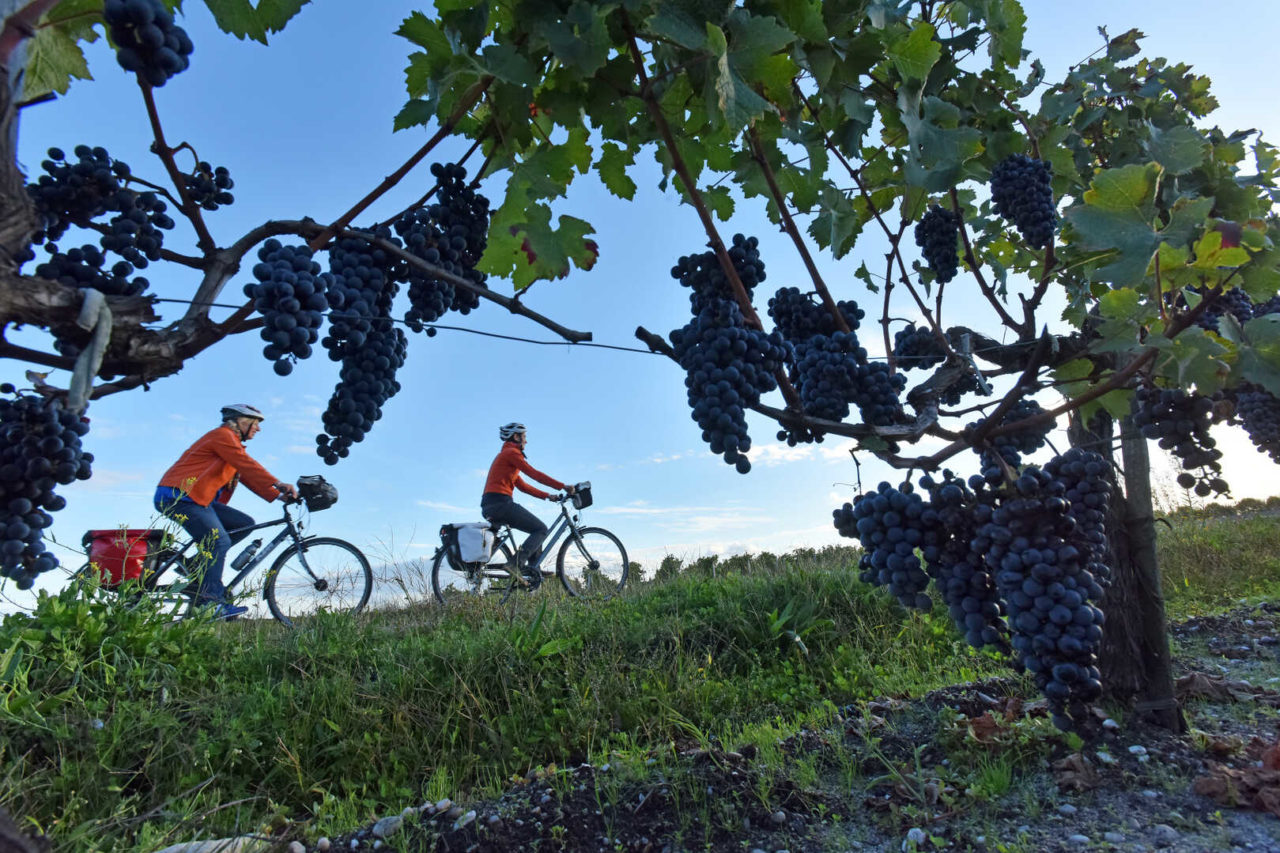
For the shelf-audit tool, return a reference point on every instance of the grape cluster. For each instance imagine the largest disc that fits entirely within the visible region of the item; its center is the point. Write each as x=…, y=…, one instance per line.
x=1259, y=413
x=936, y=235
x=950, y=521
x=917, y=348
x=147, y=41
x=797, y=317
x=888, y=524
x=1086, y=476
x=1234, y=302
x=703, y=274
x=74, y=193
x=1021, y=193
x=827, y=374
x=1012, y=446
x=39, y=449
x=1047, y=590
x=290, y=295
x=451, y=234
x=361, y=335
x=727, y=367
x=1179, y=422
x=210, y=187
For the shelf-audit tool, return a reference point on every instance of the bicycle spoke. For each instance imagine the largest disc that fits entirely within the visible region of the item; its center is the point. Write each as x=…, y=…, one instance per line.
x=592, y=564
x=325, y=574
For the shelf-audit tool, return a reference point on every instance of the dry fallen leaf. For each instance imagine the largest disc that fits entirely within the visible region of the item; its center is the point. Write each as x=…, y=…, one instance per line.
x=1075, y=771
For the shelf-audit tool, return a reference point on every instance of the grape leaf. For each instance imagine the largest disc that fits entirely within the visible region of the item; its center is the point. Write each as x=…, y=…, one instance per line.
x=1008, y=24
x=1116, y=215
x=416, y=112
x=915, y=54
x=1210, y=254
x=1179, y=149
x=753, y=39
x=53, y=60
x=506, y=63
x=673, y=24
x=580, y=40
x=1260, y=352
x=1124, y=317
x=426, y=33
x=938, y=152
x=719, y=201
x=242, y=20
x=612, y=167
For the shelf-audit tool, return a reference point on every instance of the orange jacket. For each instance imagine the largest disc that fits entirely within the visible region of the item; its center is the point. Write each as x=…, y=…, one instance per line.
x=505, y=472
x=213, y=464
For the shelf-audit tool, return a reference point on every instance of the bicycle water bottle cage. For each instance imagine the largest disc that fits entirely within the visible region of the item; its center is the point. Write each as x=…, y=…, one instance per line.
x=317, y=492
x=581, y=496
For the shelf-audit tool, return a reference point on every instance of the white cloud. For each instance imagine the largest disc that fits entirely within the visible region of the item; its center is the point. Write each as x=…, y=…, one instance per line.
x=778, y=454
x=443, y=506
x=659, y=458
x=305, y=449
x=644, y=508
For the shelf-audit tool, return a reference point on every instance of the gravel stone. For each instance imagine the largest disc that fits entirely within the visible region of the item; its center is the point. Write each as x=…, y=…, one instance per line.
x=1164, y=834
x=1078, y=840
x=323, y=845
x=297, y=847
x=464, y=820
x=1066, y=809
x=779, y=817
x=388, y=826
x=1151, y=795
x=1113, y=837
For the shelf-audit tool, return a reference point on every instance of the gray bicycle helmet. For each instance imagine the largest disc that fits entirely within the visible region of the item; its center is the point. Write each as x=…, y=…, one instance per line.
x=241, y=410
x=510, y=431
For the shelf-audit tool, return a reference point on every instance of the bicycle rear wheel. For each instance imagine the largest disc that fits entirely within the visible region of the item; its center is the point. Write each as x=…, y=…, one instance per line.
x=324, y=574
x=450, y=582
x=592, y=563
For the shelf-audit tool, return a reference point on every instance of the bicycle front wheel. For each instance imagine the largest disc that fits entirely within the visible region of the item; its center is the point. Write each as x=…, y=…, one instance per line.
x=324, y=574
x=448, y=582
x=592, y=563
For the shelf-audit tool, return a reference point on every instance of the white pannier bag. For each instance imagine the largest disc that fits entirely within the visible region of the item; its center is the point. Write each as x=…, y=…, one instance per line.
x=475, y=541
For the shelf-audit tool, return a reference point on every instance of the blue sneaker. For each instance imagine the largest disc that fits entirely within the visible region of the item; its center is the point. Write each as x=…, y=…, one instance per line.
x=228, y=612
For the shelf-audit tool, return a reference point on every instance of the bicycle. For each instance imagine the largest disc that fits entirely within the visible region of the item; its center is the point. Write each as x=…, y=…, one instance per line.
x=591, y=563
x=334, y=569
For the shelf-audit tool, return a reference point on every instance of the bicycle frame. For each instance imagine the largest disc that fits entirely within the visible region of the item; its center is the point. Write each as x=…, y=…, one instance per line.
x=564, y=524
x=291, y=531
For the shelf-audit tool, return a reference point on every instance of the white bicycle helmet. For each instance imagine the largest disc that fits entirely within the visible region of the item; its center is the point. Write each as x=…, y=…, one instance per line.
x=510, y=431
x=241, y=410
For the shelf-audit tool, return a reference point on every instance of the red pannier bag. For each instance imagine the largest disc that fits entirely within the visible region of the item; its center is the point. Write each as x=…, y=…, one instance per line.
x=122, y=555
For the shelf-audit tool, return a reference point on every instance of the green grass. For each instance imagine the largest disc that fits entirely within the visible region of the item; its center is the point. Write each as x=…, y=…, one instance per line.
x=1211, y=561
x=118, y=731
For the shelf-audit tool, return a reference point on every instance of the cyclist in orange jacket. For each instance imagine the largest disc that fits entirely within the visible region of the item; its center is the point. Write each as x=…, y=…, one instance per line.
x=499, y=507
x=196, y=489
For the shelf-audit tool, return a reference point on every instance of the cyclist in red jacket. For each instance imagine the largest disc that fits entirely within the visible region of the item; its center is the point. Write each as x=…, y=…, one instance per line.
x=499, y=507
x=196, y=488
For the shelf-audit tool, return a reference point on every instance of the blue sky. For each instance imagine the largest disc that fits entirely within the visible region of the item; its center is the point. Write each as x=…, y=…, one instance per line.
x=305, y=127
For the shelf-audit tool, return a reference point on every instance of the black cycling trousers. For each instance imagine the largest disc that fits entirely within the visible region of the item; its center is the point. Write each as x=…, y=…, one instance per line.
x=502, y=509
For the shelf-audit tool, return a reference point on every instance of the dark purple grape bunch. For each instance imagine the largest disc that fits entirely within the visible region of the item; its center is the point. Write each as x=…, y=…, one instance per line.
x=704, y=276
x=39, y=450
x=936, y=235
x=1259, y=413
x=461, y=215
x=1012, y=446
x=361, y=285
x=917, y=348
x=797, y=316
x=950, y=520
x=75, y=192
x=79, y=192
x=290, y=295
x=1022, y=194
x=1048, y=591
x=728, y=366
x=148, y=42
x=887, y=522
x=209, y=186
x=1179, y=422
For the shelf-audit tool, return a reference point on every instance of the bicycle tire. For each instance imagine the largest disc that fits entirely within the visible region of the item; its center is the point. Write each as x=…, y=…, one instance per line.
x=448, y=581
x=592, y=563
x=331, y=567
